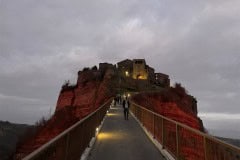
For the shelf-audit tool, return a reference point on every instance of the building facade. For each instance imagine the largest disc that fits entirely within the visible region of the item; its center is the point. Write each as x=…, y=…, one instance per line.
x=125, y=68
x=162, y=80
x=140, y=69
x=137, y=69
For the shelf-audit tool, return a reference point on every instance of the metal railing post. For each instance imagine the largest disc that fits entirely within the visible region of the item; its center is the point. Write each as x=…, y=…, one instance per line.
x=67, y=147
x=205, y=147
x=154, y=126
x=177, y=141
x=162, y=134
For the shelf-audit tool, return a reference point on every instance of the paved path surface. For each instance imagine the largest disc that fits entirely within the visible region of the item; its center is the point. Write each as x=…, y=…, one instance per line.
x=121, y=139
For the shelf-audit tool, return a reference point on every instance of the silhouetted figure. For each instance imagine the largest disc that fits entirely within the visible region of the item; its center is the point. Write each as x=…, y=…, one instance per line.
x=120, y=99
x=126, y=106
x=115, y=100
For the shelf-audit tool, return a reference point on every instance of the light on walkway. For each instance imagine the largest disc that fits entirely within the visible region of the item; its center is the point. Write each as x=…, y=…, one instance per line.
x=109, y=136
x=96, y=132
x=111, y=114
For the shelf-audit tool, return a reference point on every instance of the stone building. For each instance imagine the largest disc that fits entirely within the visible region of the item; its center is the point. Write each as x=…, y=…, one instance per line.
x=104, y=66
x=162, y=80
x=137, y=69
x=151, y=74
x=140, y=69
x=125, y=68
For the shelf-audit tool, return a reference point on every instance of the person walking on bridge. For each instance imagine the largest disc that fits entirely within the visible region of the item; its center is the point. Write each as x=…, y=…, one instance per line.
x=126, y=106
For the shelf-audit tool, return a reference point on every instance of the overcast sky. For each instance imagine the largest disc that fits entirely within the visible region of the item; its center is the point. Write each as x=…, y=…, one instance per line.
x=43, y=43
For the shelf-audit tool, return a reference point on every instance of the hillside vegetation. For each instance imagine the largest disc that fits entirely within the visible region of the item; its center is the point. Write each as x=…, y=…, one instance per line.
x=10, y=134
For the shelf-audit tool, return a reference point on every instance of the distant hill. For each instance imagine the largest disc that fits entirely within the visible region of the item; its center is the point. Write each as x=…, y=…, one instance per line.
x=235, y=142
x=9, y=136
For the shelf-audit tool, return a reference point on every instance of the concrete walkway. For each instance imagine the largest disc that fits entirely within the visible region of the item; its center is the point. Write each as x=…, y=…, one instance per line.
x=121, y=139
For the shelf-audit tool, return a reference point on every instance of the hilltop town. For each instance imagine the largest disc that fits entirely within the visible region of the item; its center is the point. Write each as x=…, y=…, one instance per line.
x=96, y=85
x=136, y=73
x=137, y=69
x=125, y=76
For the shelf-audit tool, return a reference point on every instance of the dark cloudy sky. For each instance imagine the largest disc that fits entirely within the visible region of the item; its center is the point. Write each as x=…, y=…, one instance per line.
x=43, y=43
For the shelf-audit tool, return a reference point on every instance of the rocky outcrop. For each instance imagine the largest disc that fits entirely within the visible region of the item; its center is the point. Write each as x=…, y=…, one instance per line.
x=173, y=103
x=74, y=103
x=65, y=99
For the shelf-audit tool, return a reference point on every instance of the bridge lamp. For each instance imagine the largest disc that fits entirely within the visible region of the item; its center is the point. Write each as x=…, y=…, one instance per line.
x=127, y=73
x=97, y=129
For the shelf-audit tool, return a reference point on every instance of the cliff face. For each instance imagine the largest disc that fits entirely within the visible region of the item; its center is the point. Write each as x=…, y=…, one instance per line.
x=177, y=105
x=173, y=103
x=74, y=103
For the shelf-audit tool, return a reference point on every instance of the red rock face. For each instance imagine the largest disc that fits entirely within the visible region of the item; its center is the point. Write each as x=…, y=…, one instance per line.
x=74, y=103
x=174, y=107
x=65, y=99
x=62, y=119
x=181, y=109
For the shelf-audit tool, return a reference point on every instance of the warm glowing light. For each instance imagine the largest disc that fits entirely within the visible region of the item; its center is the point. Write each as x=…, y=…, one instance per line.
x=107, y=111
x=141, y=77
x=97, y=130
x=127, y=73
x=112, y=114
x=109, y=136
x=129, y=95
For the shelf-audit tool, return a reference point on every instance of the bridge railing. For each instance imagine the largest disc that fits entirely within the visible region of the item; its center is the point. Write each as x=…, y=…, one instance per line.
x=70, y=144
x=182, y=141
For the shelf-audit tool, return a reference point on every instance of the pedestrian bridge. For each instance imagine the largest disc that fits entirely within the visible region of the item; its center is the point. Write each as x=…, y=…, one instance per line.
x=106, y=135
